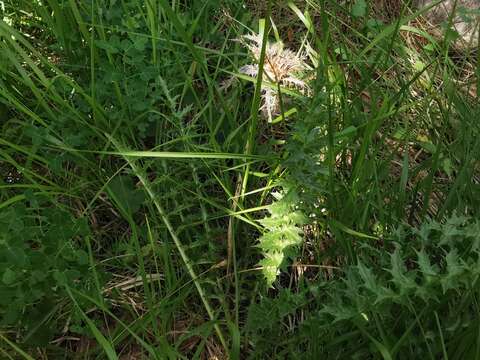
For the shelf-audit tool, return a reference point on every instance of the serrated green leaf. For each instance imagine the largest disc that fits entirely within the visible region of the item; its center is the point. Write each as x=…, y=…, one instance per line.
x=402, y=280
x=425, y=265
x=283, y=236
x=454, y=271
x=368, y=277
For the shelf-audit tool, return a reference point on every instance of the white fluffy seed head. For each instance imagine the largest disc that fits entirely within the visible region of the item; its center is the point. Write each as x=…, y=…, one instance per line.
x=280, y=67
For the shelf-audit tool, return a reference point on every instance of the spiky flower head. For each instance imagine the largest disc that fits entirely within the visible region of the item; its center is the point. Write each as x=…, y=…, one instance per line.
x=281, y=66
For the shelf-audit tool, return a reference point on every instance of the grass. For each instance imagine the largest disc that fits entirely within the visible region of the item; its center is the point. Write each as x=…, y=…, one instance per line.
x=147, y=210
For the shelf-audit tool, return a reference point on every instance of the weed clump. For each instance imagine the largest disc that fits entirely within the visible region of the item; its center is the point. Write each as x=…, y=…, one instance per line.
x=145, y=213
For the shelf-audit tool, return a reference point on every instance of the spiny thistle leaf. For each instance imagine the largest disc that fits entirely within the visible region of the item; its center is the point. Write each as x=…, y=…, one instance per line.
x=425, y=266
x=283, y=234
x=455, y=270
x=403, y=279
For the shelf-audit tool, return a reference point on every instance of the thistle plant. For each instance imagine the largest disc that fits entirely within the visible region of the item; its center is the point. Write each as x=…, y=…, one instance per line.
x=282, y=68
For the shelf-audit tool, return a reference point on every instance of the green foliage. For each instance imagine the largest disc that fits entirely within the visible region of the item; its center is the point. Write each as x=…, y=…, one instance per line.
x=39, y=256
x=359, y=8
x=138, y=172
x=81, y=84
x=283, y=234
x=128, y=199
x=390, y=299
